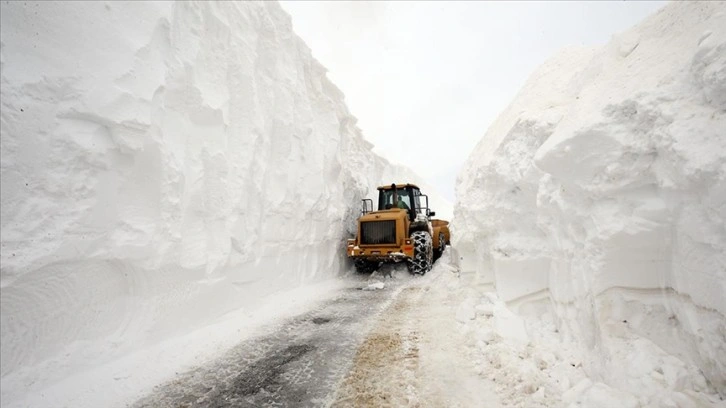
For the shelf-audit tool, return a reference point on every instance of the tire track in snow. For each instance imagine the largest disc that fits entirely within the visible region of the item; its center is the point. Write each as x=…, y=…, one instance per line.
x=385, y=367
x=417, y=354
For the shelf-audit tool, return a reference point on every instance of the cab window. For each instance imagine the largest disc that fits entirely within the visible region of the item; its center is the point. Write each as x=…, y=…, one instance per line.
x=385, y=200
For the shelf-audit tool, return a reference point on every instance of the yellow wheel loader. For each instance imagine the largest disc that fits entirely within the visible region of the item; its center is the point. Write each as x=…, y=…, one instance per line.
x=400, y=230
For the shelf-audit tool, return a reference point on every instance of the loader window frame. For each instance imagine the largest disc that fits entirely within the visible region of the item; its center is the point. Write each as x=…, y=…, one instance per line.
x=409, y=195
x=385, y=200
x=406, y=195
x=417, y=200
x=405, y=199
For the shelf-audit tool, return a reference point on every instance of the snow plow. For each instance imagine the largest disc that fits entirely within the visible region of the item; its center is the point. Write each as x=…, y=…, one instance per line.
x=400, y=230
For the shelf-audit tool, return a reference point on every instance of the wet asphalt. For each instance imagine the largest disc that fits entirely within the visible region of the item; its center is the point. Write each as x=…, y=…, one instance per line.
x=297, y=363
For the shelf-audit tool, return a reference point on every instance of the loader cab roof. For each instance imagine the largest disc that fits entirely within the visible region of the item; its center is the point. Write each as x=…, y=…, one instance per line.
x=398, y=186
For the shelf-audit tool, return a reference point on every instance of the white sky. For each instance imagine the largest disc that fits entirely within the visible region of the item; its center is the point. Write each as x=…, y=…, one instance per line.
x=426, y=79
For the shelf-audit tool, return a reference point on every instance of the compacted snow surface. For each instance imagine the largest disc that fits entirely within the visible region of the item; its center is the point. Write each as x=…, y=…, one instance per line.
x=596, y=207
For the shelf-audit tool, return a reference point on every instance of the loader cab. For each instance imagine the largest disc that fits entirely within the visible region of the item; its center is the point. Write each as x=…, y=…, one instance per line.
x=407, y=197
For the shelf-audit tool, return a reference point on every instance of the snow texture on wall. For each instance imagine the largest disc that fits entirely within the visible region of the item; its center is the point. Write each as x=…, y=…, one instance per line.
x=603, y=188
x=162, y=164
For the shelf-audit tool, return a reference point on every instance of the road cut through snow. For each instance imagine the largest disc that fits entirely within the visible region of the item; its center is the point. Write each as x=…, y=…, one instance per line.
x=399, y=345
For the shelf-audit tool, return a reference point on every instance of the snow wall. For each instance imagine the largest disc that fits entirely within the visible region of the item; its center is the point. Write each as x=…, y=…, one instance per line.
x=163, y=164
x=601, y=190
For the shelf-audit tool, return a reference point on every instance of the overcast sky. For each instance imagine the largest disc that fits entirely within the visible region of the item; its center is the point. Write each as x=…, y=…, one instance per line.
x=426, y=79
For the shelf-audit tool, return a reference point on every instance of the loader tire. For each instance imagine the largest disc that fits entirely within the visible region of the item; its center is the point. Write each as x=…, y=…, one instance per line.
x=442, y=246
x=423, y=253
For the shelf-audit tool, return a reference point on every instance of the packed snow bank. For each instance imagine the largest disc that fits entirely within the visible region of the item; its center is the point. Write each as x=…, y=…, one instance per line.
x=163, y=164
x=602, y=188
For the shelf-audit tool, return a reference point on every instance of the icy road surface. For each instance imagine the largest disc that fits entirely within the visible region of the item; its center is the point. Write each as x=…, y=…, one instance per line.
x=367, y=347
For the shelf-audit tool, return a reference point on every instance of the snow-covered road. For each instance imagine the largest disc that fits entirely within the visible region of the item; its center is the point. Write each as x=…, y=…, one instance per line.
x=416, y=353
x=295, y=363
x=384, y=347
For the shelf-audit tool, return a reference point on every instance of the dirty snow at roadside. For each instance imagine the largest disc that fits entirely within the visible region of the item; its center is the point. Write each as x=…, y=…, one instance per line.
x=168, y=169
x=591, y=219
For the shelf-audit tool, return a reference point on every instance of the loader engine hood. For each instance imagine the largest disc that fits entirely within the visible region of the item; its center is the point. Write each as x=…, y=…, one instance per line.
x=392, y=214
